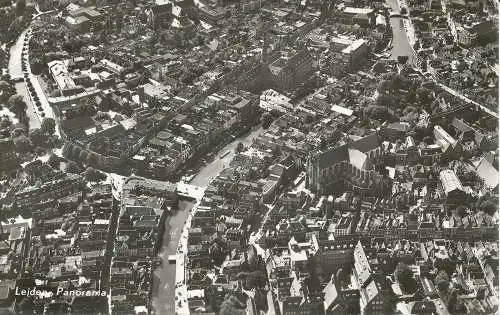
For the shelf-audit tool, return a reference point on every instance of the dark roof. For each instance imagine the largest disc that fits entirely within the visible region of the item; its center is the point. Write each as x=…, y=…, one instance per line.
x=77, y=125
x=423, y=307
x=138, y=210
x=6, y=145
x=366, y=144
x=460, y=125
x=339, y=154
x=5, y=288
x=333, y=156
x=399, y=126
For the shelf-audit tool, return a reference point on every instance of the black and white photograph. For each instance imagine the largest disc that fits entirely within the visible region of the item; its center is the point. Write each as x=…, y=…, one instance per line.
x=249, y=157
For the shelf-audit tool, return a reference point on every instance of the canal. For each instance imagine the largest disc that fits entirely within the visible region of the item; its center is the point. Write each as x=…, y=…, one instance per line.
x=400, y=43
x=164, y=276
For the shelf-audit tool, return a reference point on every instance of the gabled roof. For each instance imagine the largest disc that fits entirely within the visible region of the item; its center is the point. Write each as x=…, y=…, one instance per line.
x=487, y=172
x=399, y=126
x=371, y=291
x=357, y=158
x=366, y=144
x=341, y=153
x=331, y=295
x=460, y=125
x=450, y=181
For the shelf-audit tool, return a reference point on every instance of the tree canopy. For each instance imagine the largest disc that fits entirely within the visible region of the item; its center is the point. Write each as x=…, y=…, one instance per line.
x=93, y=175
x=48, y=126
x=234, y=304
x=404, y=276
x=267, y=120
x=20, y=7
x=17, y=105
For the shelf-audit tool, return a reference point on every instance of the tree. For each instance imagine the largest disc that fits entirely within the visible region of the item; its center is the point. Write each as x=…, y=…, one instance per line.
x=83, y=156
x=461, y=211
x=48, y=126
x=25, y=306
x=92, y=159
x=37, y=137
x=75, y=152
x=261, y=300
x=239, y=147
x=6, y=89
x=442, y=282
x=384, y=86
x=404, y=276
x=424, y=96
x=416, y=46
x=340, y=275
x=16, y=132
x=255, y=279
x=36, y=66
x=54, y=161
x=17, y=105
x=20, y=7
x=267, y=120
x=402, y=60
x=377, y=112
x=5, y=122
x=386, y=100
x=234, y=304
x=379, y=67
x=429, y=140
x=23, y=144
x=487, y=206
x=309, y=119
x=217, y=253
x=72, y=167
x=93, y=175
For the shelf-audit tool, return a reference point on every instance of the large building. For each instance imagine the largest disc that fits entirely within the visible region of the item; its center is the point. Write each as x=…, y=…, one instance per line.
x=364, y=17
x=476, y=33
x=289, y=70
x=346, y=54
x=333, y=254
x=61, y=75
x=452, y=187
x=347, y=166
x=372, y=296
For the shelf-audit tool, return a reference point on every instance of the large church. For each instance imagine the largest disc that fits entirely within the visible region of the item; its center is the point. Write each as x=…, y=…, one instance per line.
x=281, y=68
x=348, y=166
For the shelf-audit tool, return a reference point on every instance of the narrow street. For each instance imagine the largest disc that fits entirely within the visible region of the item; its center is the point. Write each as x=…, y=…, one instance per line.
x=468, y=100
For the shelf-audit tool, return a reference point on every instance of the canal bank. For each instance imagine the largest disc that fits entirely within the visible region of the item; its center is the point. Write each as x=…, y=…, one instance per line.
x=164, y=276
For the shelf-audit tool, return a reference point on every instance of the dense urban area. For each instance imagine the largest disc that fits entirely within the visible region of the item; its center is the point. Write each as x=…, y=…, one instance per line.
x=249, y=157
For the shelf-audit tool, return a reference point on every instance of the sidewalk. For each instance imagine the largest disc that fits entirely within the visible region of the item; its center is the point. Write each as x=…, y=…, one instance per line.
x=180, y=291
x=47, y=109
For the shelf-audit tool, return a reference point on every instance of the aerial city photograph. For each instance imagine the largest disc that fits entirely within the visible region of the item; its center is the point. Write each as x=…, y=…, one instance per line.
x=249, y=157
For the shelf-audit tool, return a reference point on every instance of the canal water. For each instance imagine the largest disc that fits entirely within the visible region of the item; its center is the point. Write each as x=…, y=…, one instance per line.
x=164, y=276
x=400, y=43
